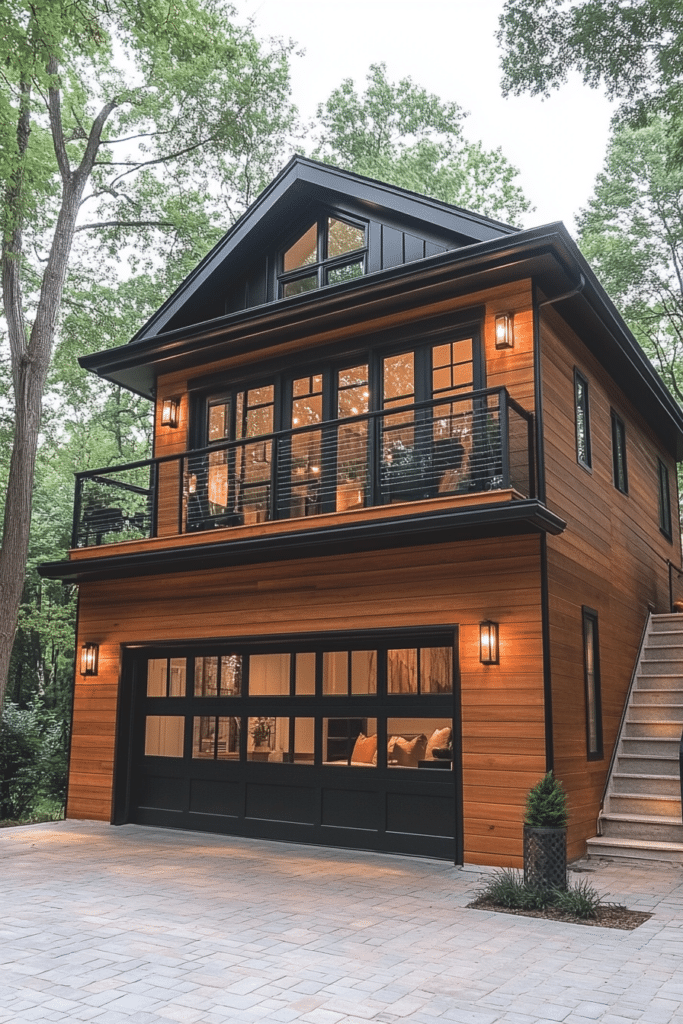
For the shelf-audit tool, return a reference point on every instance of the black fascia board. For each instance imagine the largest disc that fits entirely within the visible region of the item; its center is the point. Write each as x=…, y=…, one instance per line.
x=500, y=519
x=301, y=183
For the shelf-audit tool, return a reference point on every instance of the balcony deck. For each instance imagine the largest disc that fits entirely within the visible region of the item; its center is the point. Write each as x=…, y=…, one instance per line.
x=400, y=475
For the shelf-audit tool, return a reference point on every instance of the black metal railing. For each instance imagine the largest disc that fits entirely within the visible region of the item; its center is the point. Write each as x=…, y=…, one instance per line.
x=481, y=441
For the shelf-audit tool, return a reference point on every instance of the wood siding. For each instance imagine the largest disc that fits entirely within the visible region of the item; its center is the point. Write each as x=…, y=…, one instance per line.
x=459, y=583
x=611, y=558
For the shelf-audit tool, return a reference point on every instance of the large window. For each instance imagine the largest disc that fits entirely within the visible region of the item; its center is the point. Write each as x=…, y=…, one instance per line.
x=330, y=251
x=591, y=663
x=582, y=421
x=392, y=426
x=336, y=705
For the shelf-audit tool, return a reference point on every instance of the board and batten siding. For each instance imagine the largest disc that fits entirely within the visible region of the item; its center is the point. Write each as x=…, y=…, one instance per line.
x=457, y=583
x=611, y=558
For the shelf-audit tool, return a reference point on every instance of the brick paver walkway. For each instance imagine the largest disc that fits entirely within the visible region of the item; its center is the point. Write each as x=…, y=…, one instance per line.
x=143, y=926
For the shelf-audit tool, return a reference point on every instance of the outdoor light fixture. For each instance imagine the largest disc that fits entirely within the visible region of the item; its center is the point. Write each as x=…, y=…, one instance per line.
x=488, y=642
x=170, y=412
x=90, y=654
x=505, y=337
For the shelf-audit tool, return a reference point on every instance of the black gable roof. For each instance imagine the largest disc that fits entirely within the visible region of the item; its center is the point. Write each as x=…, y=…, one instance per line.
x=403, y=227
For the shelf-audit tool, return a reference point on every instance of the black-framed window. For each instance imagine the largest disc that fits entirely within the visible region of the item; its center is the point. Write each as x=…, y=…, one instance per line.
x=664, y=499
x=331, y=250
x=619, y=471
x=366, y=699
x=591, y=668
x=582, y=421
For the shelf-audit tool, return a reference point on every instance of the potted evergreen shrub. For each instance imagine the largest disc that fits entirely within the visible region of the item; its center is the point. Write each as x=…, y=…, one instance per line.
x=545, y=835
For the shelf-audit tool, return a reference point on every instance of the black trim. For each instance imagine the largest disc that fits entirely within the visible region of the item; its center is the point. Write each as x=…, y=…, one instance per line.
x=591, y=614
x=504, y=518
x=664, y=492
x=619, y=460
x=585, y=459
x=538, y=393
x=547, y=668
x=123, y=745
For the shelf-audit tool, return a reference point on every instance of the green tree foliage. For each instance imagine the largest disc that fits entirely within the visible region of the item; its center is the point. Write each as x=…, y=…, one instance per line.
x=400, y=133
x=632, y=234
x=631, y=48
x=32, y=760
x=546, y=805
x=130, y=135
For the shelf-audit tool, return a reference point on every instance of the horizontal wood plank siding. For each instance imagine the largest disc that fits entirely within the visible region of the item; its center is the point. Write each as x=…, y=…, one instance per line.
x=611, y=558
x=457, y=583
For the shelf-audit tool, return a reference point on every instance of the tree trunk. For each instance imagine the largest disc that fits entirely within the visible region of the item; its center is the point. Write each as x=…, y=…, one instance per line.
x=30, y=365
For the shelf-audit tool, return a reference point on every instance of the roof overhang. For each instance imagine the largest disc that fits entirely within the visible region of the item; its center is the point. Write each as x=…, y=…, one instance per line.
x=504, y=519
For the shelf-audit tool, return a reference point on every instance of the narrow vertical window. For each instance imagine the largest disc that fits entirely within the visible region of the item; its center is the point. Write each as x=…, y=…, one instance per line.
x=591, y=664
x=664, y=500
x=619, y=474
x=583, y=436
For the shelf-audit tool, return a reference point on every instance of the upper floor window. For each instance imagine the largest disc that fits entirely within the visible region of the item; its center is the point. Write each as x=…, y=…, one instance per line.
x=583, y=436
x=619, y=474
x=331, y=251
x=664, y=500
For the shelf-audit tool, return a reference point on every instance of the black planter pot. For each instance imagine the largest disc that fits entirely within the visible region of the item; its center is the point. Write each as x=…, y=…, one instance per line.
x=545, y=857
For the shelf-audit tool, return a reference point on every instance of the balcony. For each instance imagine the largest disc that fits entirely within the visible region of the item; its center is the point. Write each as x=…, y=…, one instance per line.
x=463, y=449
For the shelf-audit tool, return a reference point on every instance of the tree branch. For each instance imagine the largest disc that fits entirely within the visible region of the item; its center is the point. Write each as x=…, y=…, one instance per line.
x=125, y=224
x=54, y=107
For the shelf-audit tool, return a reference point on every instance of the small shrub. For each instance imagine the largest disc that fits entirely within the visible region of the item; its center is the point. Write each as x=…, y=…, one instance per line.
x=546, y=805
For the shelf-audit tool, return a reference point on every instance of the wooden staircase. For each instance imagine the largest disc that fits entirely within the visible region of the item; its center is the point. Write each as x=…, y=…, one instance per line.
x=641, y=815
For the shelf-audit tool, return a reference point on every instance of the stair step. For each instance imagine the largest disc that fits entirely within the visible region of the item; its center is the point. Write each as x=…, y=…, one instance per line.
x=652, y=729
x=652, y=696
x=644, y=803
x=665, y=638
x=652, y=745
x=647, y=710
x=666, y=622
x=643, y=827
x=644, y=764
x=653, y=677
x=615, y=848
x=655, y=785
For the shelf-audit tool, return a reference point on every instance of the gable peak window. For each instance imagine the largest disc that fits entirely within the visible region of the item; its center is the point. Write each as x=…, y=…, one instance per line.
x=331, y=250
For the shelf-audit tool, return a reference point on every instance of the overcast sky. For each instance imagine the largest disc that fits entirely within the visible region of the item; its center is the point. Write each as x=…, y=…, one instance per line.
x=449, y=47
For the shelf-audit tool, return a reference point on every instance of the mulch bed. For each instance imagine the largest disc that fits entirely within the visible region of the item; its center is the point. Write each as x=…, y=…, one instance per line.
x=608, y=916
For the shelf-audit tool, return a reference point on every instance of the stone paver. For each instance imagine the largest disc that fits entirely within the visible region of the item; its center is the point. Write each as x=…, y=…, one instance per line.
x=149, y=926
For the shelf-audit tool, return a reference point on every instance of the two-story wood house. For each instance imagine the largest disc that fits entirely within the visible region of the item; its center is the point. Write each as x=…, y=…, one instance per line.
x=413, y=491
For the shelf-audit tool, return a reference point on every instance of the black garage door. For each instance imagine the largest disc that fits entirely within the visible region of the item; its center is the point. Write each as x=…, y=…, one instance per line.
x=340, y=740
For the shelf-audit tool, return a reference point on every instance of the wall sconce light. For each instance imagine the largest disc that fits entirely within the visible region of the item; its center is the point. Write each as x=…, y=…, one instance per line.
x=170, y=412
x=488, y=642
x=505, y=335
x=90, y=654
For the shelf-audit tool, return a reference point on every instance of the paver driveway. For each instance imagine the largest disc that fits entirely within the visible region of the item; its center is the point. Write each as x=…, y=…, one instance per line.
x=132, y=925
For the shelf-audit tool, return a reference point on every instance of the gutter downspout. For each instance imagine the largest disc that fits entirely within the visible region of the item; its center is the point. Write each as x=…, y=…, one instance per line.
x=541, y=495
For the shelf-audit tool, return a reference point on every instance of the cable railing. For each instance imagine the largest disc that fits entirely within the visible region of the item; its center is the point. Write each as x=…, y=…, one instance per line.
x=478, y=442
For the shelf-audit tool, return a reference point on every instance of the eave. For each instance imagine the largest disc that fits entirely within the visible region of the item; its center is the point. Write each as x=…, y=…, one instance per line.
x=495, y=520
